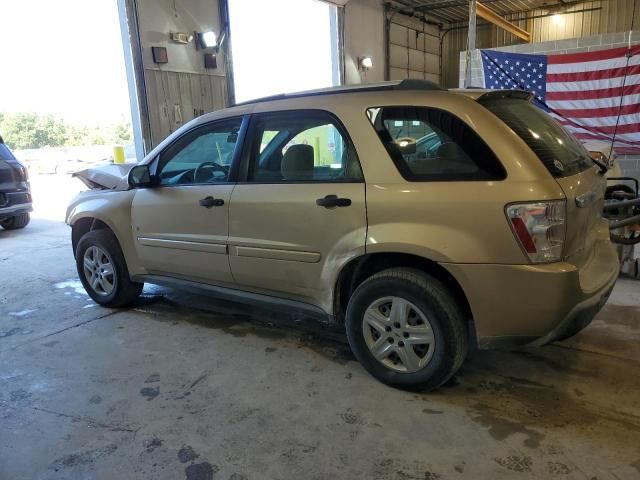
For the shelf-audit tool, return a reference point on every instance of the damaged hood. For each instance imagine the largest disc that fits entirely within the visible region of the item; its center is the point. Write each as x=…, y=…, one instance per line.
x=106, y=177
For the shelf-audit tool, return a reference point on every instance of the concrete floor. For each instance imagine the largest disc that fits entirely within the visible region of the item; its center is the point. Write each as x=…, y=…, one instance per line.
x=186, y=387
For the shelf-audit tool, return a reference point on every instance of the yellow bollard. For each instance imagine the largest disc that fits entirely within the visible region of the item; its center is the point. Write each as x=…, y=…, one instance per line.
x=118, y=154
x=317, y=158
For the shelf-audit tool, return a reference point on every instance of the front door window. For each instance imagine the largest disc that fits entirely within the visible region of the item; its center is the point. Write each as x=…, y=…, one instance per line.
x=204, y=156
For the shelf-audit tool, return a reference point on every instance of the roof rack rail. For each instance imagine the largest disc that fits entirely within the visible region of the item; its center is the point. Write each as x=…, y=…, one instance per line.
x=407, y=84
x=416, y=84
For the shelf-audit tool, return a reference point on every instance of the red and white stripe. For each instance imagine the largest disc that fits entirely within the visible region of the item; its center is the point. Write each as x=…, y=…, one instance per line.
x=584, y=91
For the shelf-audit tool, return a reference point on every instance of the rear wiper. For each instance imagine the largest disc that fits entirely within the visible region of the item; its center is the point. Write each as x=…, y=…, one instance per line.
x=602, y=166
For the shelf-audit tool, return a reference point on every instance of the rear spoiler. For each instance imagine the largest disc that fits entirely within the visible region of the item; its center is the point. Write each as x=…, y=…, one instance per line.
x=500, y=94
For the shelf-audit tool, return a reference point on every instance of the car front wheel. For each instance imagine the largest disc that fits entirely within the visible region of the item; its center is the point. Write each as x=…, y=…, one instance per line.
x=103, y=271
x=406, y=329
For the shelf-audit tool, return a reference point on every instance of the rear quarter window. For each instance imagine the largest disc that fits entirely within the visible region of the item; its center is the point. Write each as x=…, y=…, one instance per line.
x=429, y=144
x=556, y=148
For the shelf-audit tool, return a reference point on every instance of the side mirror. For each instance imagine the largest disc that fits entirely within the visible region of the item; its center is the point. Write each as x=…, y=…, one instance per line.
x=140, y=176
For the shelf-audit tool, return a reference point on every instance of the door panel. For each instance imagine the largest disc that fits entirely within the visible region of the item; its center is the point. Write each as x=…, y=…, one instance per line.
x=181, y=227
x=281, y=241
x=176, y=236
x=299, y=214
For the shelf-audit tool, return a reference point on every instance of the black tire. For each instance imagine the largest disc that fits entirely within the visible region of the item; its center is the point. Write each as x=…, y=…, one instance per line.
x=438, y=305
x=124, y=291
x=17, y=222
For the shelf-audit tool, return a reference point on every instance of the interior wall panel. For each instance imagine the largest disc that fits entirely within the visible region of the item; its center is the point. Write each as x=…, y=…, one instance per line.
x=182, y=88
x=414, y=49
x=175, y=98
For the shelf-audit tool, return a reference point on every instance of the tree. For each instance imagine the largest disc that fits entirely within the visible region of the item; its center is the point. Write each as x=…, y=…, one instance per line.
x=29, y=130
x=123, y=133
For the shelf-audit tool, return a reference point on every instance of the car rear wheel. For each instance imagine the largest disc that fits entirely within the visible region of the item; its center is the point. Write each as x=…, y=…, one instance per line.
x=103, y=271
x=17, y=222
x=406, y=329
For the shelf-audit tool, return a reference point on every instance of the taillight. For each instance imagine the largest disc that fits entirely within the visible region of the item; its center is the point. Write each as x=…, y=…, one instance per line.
x=540, y=228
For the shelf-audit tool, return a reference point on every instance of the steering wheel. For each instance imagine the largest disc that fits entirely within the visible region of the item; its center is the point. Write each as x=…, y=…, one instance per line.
x=212, y=165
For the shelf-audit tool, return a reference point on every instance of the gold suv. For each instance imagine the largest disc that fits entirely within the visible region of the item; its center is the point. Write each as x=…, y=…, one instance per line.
x=424, y=220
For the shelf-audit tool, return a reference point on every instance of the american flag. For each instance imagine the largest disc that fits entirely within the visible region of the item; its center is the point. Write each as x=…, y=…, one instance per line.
x=582, y=91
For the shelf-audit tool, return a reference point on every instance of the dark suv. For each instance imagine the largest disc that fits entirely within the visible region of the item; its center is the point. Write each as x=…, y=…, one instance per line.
x=15, y=194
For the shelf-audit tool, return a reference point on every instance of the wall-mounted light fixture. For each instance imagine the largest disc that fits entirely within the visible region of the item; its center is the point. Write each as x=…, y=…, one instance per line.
x=210, y=40
x=558, y=19
x=364, y=63
x=179, y=37
x=207, y=39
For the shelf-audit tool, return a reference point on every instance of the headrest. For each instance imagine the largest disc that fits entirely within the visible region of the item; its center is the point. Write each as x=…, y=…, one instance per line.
x=297, y=163
x=449, y=150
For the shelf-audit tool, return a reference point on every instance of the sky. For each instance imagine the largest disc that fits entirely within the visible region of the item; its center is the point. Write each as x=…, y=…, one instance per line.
x=66, y=59
x=268, y=60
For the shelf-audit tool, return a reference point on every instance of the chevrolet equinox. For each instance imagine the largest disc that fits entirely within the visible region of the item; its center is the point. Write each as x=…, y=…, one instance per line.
x=423, y=220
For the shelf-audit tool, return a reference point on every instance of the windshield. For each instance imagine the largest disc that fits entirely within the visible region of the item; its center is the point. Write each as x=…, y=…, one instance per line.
x=558, y=150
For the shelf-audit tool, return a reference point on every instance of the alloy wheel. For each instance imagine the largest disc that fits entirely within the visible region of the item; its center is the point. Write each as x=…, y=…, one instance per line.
x=398, y=334
x=99, y=270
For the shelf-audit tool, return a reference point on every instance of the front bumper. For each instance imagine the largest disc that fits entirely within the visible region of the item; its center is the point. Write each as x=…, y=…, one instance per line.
x=516, y=305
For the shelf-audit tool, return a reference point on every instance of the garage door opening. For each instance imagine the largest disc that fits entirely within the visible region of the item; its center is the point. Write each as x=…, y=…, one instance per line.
x=282, y=46
x=64, y=104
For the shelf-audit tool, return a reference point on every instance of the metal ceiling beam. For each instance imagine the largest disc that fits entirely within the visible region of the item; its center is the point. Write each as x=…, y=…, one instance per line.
x=446, y=4
x=489, y=15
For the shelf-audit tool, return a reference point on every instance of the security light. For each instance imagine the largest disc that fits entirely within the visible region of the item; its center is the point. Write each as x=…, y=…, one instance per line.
x=365, y=63
x=558, y=18
x=208, y=39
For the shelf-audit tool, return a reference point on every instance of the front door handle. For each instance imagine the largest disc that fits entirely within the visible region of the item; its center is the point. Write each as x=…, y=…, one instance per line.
x=331, y=201
x=209, y=202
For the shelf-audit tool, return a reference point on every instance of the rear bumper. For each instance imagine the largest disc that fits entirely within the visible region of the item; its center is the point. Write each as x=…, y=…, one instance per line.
x=515, y=305
x=13, y=210
x=14, y=203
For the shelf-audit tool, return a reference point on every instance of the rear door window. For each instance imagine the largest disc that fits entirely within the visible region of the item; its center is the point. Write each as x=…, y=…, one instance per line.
x=302, y=146
x=556, y=148
x=429, y=144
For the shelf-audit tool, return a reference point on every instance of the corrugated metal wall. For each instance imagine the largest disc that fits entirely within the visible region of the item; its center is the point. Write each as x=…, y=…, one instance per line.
x=414, y=50
x=602, y=16
x=177, y=97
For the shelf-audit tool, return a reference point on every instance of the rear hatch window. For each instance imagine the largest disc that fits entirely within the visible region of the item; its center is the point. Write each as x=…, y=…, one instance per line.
x=556, y=148
x=567, y=160
x=11, y=170
x=5, y=153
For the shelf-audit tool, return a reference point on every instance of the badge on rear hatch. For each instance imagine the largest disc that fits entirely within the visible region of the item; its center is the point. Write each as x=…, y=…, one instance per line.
x=558, y=164
x=585, y=199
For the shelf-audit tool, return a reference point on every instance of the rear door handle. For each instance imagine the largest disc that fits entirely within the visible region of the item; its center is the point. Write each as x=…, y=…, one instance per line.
x=209, y=202
x=331, y=201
